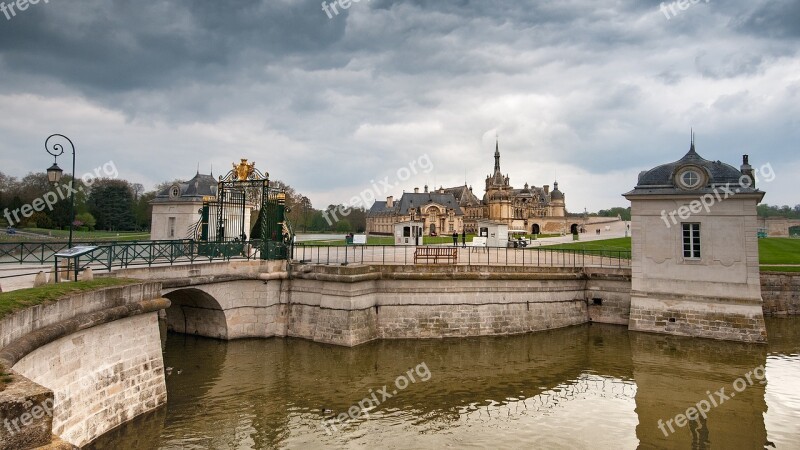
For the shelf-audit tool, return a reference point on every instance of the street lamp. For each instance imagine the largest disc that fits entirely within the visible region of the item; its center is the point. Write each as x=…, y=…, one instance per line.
x=55, y=146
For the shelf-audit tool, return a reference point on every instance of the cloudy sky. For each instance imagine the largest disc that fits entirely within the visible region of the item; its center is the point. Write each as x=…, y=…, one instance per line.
x=588, y=91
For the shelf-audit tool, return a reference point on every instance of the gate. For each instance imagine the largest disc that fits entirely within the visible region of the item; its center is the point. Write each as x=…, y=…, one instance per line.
x=224, y=221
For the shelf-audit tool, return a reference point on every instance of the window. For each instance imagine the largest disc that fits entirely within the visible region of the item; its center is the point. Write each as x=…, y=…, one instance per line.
x=690, y=178
x=691, y=240
x=171, y=227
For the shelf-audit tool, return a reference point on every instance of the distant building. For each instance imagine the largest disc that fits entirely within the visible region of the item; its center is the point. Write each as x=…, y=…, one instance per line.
x=695, y=250
x=438, y=211
x=534, y=209
x=177, y=209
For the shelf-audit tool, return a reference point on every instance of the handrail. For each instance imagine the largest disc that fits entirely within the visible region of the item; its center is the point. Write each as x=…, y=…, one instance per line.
x=130, y=253
x=311, y=253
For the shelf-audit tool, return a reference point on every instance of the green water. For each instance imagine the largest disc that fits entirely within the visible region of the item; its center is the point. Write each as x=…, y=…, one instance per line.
x=592, y=386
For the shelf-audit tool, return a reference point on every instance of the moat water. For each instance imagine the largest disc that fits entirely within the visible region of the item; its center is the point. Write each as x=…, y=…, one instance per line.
x=592, y=386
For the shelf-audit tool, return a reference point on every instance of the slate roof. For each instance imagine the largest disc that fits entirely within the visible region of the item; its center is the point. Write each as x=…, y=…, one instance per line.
x=195, y=189
x=415, y=200
x=661, y=179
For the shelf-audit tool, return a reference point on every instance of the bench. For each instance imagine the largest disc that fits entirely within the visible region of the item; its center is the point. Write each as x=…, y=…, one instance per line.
x=427, y=254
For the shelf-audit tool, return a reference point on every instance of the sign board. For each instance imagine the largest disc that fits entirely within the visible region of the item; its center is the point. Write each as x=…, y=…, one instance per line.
x=360, y=239
x=479, y=241
x=75, y=251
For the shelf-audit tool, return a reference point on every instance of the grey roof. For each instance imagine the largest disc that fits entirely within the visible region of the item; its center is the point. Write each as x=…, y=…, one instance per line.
x=463, y=195
x=415, y=200
x=196, y=188
x=661, y=179
x=718, y=172
x=556, y=194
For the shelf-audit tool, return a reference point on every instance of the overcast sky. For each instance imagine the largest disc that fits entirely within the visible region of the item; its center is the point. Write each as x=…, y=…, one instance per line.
x=588, y=91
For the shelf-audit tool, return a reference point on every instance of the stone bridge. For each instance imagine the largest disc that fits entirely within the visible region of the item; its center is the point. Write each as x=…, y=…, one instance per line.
x=350, y=305
x=356, y=304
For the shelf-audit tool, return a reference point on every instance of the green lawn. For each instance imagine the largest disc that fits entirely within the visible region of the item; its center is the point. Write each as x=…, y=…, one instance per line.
x=88, y=235
x=606, y=244
x=779, y=251
x=771, y=250
x=24, y=298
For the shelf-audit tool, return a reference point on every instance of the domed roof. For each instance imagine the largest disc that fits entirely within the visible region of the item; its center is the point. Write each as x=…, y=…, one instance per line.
x=556, y=194
x=694, y=175
x=664, y=175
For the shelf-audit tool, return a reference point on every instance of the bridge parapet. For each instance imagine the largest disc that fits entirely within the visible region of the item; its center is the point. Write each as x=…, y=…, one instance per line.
x=85, y=364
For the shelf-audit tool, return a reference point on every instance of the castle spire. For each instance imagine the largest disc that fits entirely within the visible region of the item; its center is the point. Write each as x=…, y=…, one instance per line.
x=497, y=156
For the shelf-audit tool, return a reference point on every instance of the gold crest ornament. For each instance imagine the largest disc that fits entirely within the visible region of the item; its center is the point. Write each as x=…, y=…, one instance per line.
x=243, y=170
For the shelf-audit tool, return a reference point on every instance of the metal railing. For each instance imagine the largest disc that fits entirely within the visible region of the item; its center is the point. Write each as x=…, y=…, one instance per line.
x=108, y=255
x=471, y=256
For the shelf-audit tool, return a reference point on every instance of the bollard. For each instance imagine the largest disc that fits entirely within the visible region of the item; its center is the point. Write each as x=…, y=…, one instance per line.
x=40, y=280
x=87, y=274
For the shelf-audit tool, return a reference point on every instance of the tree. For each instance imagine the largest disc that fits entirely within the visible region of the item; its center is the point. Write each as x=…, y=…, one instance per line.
x=343, y=226
x=138, y=190
x=623, y=213
x=111, y=203
x=143, y=210
x=87, y=219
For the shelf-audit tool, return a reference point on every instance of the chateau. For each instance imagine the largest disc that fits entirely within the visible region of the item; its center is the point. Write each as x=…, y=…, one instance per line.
x=534, y=209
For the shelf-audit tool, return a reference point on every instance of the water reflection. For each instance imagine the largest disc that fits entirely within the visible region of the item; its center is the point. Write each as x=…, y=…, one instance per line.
x=592, y=386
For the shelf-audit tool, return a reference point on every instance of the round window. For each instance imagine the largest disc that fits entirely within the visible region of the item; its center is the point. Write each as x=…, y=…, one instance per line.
x=174, y=192
x=690, y=179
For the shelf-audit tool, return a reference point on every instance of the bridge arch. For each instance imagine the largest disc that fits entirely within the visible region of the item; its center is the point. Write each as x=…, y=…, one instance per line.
x=194, y=311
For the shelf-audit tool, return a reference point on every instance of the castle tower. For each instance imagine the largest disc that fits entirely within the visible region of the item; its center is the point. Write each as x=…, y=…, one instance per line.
x=498, y=192
x=557, y=208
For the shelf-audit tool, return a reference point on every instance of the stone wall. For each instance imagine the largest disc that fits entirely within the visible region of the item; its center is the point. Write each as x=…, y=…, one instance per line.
x=101, y=377
x=781, y=293
x=352, y=305
x=96, y=358
x=724, y=318
x=21, y=323
x=608, y=296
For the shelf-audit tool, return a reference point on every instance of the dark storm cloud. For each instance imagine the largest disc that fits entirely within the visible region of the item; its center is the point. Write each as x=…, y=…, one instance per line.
x=113, y=46
x=589, y=88
x=776, y=18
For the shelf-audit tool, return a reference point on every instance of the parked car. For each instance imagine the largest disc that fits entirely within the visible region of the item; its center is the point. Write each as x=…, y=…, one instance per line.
x=11, y=230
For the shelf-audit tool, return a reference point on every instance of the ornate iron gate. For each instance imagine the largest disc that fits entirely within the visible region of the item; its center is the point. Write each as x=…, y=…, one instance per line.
x=223, y=227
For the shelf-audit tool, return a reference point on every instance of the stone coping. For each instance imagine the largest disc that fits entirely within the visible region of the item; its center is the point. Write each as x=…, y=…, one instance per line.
x=17, y=350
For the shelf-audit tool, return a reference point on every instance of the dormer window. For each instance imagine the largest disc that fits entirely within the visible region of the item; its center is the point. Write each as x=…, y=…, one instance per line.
x=690, y=178
x=175, y=192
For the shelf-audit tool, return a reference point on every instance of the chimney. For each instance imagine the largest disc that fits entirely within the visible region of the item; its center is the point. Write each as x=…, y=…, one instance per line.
x=416, y=190
x=546, y=189
x=390, y=202
x=747, y=170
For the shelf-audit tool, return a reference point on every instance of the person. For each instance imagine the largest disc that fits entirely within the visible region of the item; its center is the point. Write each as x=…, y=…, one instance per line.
x=455, y=238
x=464, y=238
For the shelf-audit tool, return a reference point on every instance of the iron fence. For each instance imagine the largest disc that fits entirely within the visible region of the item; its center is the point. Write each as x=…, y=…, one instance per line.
x=108, y=255
x=472, y=256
